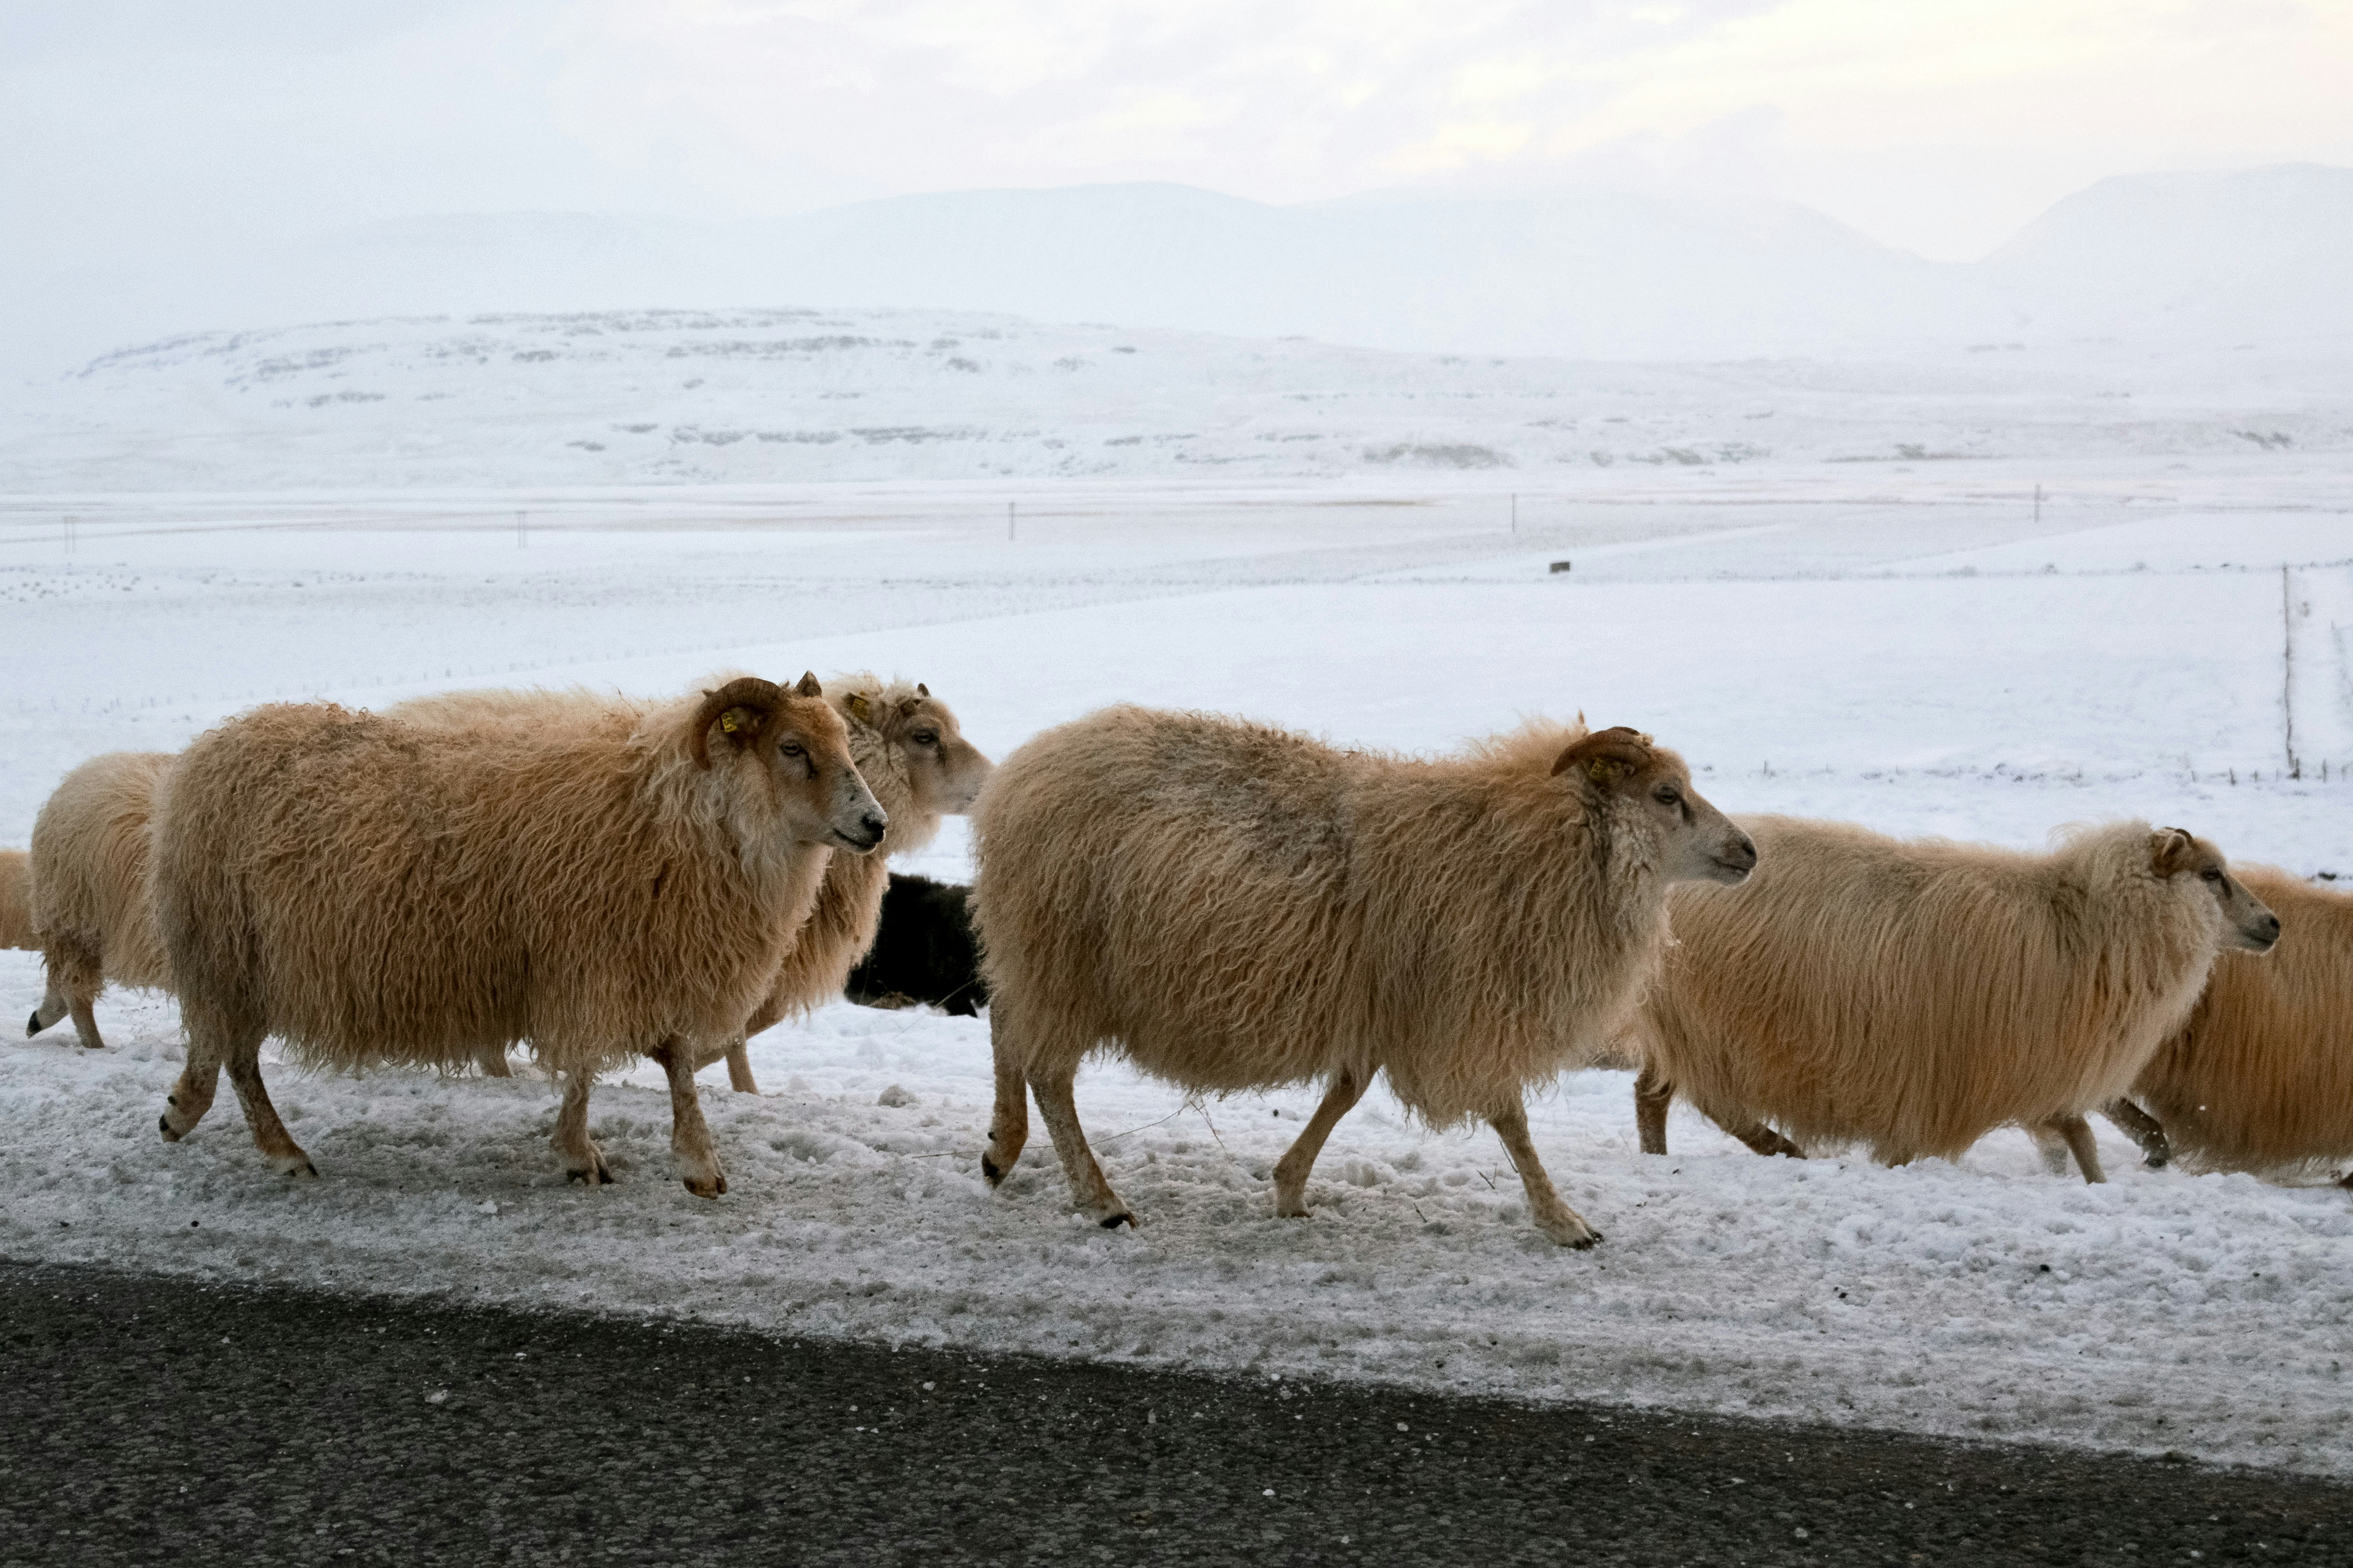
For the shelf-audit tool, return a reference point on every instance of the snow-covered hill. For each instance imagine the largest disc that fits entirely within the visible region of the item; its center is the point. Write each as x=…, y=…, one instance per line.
x=667, y=397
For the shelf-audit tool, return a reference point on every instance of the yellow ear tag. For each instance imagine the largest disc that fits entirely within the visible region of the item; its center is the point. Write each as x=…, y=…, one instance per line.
x=727, y=723
x=858, y=706
x=1598, y=770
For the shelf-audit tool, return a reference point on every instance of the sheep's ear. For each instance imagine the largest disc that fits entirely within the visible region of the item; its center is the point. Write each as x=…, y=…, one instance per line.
x=2170, y=850
x=922, y=690
x=808, y=685
x=1607, y=756
x=859, y=709
x=738, y=710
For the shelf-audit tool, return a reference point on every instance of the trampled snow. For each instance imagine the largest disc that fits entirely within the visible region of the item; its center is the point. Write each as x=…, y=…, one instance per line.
x=1904, y=644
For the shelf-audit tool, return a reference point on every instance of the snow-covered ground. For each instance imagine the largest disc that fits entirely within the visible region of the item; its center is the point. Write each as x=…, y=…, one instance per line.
x=1906, y=644
x=766, y=396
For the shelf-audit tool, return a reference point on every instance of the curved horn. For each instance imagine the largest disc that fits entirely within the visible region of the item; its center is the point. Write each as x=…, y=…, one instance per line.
x=1606, y=754
x=740, y=708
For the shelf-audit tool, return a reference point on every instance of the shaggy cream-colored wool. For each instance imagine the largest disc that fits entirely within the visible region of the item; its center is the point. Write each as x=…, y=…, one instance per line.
x=93, y=916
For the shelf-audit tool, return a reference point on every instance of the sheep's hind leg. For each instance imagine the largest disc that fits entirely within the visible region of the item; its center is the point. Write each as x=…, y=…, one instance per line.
x=739, y=1068
x=2074, y=1134
x=1090, y=1193
x=2156, y=1148
x=1763, y=1140
x=192, y=1096
x=46, y=1015
x=1291, y=1170
x=1008, y=1121
x=690, y=1135
x=583, y=1160
x=1553, y=1216
x=491, y=1061
x=1652, y=1095
x=270, y=1135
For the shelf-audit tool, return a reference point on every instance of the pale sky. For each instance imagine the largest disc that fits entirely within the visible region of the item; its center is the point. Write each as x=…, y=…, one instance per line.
x=1937, y=126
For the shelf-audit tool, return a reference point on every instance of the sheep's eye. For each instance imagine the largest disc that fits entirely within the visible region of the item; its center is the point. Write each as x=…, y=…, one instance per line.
x=2210, y=875
x=790, y=748
x=925, y=737
x=1665, y=795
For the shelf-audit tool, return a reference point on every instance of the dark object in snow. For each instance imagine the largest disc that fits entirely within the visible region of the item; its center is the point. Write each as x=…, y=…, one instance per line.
x=923, y=951
x=1560, y=565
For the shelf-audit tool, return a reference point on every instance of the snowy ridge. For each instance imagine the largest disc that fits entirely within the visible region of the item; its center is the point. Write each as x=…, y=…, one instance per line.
x=784, y=396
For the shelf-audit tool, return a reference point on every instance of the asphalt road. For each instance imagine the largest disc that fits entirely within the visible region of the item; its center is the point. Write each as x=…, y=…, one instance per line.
x=152, y=1421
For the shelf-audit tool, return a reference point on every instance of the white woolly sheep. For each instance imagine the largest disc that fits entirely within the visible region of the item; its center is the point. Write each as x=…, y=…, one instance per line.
x=92, y=914
x=375, y=892
x=1234, y=907
x=1913, y=996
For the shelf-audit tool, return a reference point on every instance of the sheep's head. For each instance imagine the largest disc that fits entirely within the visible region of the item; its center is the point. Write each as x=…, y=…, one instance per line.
x=2248, y=923
x=943, y=769
x=791, y=741
x=1699, y=843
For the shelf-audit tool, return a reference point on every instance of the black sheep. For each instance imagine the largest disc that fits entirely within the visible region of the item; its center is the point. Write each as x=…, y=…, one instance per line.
x=923, y=951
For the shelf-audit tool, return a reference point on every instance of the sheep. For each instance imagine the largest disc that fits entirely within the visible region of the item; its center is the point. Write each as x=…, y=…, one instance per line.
x=2261, y=1078
x=615, y=886
x=1913, y=996
x=923, y=951
x=1236, y=907
x=922, y=768
x=91, y=913
x=912, y=753
x=16, y=901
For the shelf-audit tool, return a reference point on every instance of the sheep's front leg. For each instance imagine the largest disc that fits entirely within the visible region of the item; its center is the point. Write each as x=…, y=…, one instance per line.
x=1763, y=1140
x=1553, y=1216
x=690, y=1135
x=739, y=1066
x=1291, y=1170
x=1089, y=1192
x=583, y=1160
x=2156, y=1148
x=1652, y=1095
x=492, y=1062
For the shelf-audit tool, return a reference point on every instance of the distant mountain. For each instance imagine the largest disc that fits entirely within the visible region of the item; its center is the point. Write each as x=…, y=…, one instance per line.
x=2264, y=253
x=1599, y=273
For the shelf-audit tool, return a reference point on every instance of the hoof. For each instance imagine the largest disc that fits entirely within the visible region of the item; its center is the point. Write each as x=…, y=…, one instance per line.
x=705, y=1189
x=1112, y=1222
x=1573, y=1233
x=294, y=1167
x=992, y=1172
x=163, y=1125
x=32, y=1024
x=596, y=1175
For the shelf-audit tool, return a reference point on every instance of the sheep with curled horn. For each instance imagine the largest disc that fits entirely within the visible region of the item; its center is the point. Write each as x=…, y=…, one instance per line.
x=2260, y=1078
x=374, y=892
x=1912, y=996
x=1236, y=907
x=93, y=916
x=912, y=753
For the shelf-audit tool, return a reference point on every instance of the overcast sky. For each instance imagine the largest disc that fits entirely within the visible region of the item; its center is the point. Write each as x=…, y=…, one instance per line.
x=1939, y=126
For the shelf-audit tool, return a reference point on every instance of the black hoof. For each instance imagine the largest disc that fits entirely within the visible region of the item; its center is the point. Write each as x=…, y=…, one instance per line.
x=163, y=1125
x=1588, y=1245
x=32, y=1024
x=306, y=1169
x=989, y=1169
x=1120, y=1218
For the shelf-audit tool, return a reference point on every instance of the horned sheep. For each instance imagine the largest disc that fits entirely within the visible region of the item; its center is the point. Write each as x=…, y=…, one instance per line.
x=1236, y=907
x=909, y=749
x=92, y=916
x=374, y=891
x=1912, y=996
x=2261, y=1078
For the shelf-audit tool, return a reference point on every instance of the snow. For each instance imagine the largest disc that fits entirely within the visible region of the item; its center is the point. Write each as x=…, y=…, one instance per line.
x=1901, y=643
x=636, y=398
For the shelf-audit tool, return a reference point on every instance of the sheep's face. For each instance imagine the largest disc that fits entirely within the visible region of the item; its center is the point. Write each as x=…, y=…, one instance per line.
x=2247, y=922
x=1697, y=843
x=944, y=771
x=789, y=744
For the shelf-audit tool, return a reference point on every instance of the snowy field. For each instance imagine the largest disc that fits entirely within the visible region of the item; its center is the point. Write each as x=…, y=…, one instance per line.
x=1906, y=645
